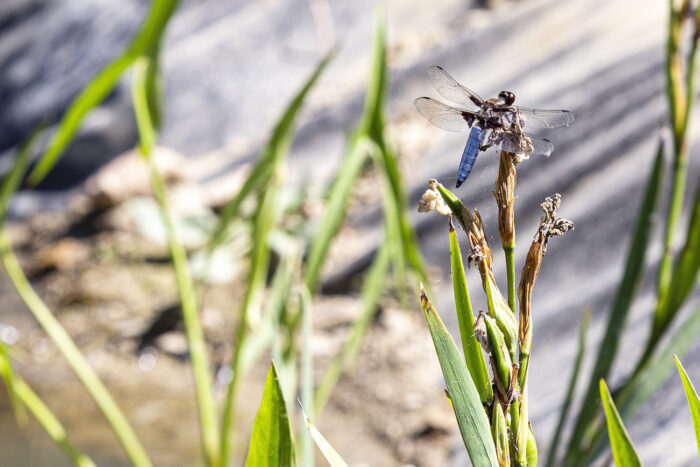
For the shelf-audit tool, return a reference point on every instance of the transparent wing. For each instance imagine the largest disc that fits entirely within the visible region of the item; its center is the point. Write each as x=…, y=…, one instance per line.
x=521, y=143
x=450, y=89
x=443, y=116
x=545, y=118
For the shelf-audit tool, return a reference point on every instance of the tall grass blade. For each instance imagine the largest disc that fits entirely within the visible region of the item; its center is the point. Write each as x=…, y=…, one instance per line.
x=263, y=222
x=331, y=455
x=693, y=400
x=13, y=179
x=45, y=417
x=97, y=90
x=7, y=372
x=188, y=298
x=634, y=269
x=137, y=455
x=564, y=412
x=371, y=291
x=465, y=318
x=275, y=150
x=307, y=374
x=471, y=417
x=271, y=443
x=622, y=448
x=335, y=209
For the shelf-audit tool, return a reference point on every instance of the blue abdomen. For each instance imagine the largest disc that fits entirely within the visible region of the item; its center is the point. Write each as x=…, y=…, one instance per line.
x=471, y=150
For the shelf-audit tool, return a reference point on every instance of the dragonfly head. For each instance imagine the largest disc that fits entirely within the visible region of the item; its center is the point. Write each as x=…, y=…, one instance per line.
x=507, y=96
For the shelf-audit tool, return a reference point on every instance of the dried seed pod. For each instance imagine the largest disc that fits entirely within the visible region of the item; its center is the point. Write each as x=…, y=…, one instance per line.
x=505, y=198
x=432, y=200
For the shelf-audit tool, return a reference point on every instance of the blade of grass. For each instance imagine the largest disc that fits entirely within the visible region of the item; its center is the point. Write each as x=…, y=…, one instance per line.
x=693, y=401
x=335, y=209
x=371, y=291
x=188, y=298
x=307, y=374
x=45, y=417
x=647, y=381
x=7, y=372
x=634, y=268
x=681, y=98
x=137, y=455
x=622, y=448
x=563, y=413
x=271, y=443
x=13, y=179
x=276, y=149
x=331, y=455
x=100, y=86
x=263, y=222
x=471, y=417
x=465, y=318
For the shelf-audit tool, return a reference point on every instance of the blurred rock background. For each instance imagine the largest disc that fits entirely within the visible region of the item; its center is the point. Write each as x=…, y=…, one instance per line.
x=231, y=66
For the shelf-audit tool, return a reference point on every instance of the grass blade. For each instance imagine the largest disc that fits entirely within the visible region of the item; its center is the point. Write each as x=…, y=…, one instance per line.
x=275, y=150
x=324, y=446
x=371, y=291
x=693, y=400
x=307, y=374
x=7, y=372
x=335, y=209
x=554, y=444
x=45, y=417
x=137, y=455
x=96, y=91
x=465, y=317
x=634, y=269
x=188, y=298
x=271, y=443
x=471, y=417
x=622, y=448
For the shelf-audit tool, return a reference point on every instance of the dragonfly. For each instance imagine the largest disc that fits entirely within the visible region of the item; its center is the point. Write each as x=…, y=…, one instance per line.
x=490, y=122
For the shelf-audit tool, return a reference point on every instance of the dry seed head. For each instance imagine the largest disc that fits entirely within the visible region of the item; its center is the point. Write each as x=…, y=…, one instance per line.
x=431, y=200
x=480, y=331
x=504, y=194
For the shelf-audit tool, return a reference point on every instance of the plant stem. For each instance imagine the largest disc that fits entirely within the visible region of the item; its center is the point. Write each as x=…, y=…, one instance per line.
x=193, y=328
x=509, y=251
x=137, y=455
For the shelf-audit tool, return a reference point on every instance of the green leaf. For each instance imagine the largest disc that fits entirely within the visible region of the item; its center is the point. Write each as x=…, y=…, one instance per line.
x=685, y=273
x=329, y=453
x=554, y=444
x=465, y=317
x=471, y=417
x=623, y=450
x=96, y=91
x=634, y=270
x=693, y=400
x=271, y=443
x=272, y=155
x=335, y=210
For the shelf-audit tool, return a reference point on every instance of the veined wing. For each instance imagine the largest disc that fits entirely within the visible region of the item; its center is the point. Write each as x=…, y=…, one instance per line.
x=443, y=116
x=521, y=143
x=545, y=118
x=450, y=89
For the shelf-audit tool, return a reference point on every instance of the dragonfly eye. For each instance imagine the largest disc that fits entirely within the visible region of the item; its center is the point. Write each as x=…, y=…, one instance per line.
x=507, y=96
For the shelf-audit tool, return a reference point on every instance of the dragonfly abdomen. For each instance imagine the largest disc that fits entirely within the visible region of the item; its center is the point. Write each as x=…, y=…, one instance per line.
x=471, y=150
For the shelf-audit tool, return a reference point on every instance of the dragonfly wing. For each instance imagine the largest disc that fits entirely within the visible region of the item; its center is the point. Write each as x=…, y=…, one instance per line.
x=450, y=89
x=545, y=118
x=521, y=143
x=443, y=116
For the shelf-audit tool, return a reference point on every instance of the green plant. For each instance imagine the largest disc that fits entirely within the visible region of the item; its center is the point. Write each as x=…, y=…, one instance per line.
x=624, y=452
x=677, y=272
x=478, y=402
